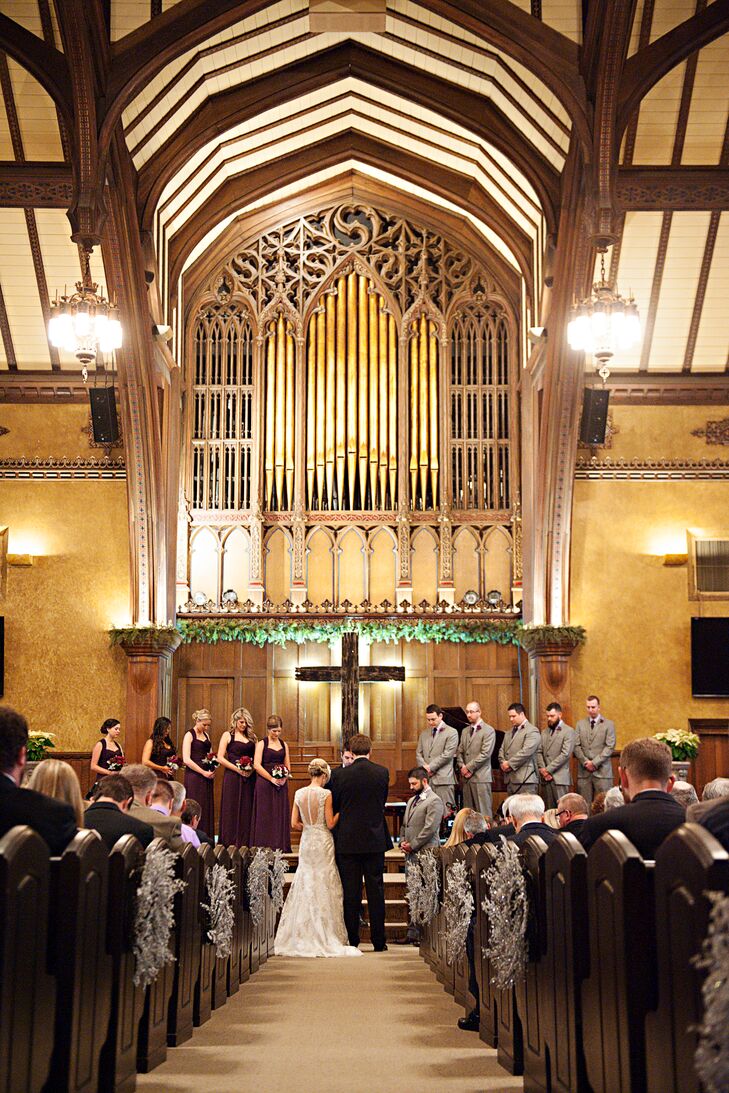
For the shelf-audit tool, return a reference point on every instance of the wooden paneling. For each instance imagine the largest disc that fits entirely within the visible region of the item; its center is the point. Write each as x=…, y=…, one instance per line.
x=713, y=758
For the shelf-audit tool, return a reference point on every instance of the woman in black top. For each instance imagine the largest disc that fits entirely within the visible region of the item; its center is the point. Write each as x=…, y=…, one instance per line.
x=160, y=749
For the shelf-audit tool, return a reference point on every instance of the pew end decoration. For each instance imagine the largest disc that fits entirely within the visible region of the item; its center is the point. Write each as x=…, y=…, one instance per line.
x=507, y=909
x=278, y=867
x=422, y=887
x=154, y=915
x=712, y=1052
x=220, y=890
x=458, y=907
x=257, y=885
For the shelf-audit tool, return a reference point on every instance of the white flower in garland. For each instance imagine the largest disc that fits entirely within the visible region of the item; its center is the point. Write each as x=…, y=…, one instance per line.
x=458, y=906
x=506, y=908
x=278, y=870
x=220, y=889
x=712, y=1052
x=257, y=885
x=422, y=887
x=154, y=915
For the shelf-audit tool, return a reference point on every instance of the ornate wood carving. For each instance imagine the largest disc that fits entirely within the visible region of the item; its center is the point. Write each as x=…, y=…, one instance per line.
x=62, y=469
x=43, y=387
x=716, y=432
x=669, y=388
x=658, y=470
x=7, y=336
x=40, y=185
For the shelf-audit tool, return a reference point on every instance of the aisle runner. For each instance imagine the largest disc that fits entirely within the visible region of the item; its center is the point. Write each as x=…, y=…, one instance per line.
x=335, y=1026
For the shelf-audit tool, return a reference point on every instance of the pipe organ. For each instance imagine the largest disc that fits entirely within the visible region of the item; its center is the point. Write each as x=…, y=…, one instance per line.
x=279, y=436
x=424, y=423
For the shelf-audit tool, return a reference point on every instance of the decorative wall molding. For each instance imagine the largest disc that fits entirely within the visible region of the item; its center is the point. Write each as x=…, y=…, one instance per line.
x=716, y=432
x=62, y=469
x=669, y=389
x=652, y=470
x=35, y=185
x=35, y=386
x=671, y=188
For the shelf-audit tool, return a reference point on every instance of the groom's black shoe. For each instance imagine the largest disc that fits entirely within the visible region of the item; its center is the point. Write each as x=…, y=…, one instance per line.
x=470, y=1023
x=380, y=948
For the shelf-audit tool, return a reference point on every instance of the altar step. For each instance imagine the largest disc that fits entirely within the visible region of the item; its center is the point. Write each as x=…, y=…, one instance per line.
x=396, y=908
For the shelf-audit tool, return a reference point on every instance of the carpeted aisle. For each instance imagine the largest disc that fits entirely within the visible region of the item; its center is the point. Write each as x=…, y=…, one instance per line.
x=382, y=1023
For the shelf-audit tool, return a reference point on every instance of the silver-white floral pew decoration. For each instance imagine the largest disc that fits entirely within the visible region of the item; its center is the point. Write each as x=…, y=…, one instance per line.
x=154, y=915
x=220, y=891
x=506, y=908
x=278, y=868
x=712, y=1051
x=422, y=882
x=257, y=884
x=458, y=908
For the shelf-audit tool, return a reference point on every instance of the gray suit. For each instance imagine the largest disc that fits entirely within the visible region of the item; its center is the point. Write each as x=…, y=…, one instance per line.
x=519, y=749
x=421, y=828
x=438, y=753
x=475, y=751
x=596, y=744
x=554, y=755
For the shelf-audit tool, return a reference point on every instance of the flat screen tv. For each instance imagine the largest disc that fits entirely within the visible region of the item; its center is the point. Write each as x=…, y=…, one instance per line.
x=710, y=658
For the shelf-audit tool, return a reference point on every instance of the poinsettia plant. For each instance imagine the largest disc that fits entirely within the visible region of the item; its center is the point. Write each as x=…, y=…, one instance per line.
x=39, y=743
x=684, y=745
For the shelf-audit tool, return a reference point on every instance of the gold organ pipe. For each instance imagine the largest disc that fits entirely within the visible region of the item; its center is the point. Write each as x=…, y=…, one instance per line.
x=423, y=404
x=433, y=408
x=363, y=336
x=319, y=408
x=331, y=396
x=270, y=412
x=311, y=415
x=414, y=376
x=341, y=425
x=374, y=391
x=392, y=407
x=280, y=409
x=290, y=421
x=351, y=382
x=382, y=354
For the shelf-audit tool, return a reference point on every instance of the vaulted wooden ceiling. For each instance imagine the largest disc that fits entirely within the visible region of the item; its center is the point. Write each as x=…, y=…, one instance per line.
x=201, y=110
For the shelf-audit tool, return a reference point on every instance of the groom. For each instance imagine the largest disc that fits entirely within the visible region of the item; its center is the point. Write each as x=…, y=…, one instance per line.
x=359, y=796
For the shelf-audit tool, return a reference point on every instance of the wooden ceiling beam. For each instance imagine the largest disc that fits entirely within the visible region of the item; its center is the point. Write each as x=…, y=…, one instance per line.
x=46, y=64
x=35, y=185
x=220, y=112
x=664, y=189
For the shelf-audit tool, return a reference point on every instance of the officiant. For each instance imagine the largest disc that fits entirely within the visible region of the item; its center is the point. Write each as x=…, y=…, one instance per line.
x=420, y=828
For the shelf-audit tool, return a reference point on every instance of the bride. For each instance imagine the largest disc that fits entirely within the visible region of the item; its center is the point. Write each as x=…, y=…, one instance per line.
x=312, y=921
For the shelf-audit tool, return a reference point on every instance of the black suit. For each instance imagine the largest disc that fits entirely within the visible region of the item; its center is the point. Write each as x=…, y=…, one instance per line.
x=52, y=820
x=533, y=827
x=359, y=795
x=111, y=823
x=646, y=820
x=716, y=820
x=492, y=836
x=574, y=827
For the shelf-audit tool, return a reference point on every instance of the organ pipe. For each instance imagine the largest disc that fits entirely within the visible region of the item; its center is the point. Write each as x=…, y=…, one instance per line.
x=424, y=460
x=341, y=362
x=270, y=411
x=279, y=453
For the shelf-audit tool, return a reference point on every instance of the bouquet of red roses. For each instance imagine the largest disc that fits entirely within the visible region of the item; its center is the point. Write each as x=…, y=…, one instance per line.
x=210, y=762
x=173, y=764
x=245, y=764
x=280, y=772
x=116, y=764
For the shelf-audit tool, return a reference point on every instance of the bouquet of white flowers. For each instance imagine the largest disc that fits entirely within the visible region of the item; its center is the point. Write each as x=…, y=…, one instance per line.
x=684, y=745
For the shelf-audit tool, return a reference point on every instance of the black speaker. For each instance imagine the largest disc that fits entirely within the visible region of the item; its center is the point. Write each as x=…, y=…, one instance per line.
x=594, y=415
x=104, y=421
x=2, y=656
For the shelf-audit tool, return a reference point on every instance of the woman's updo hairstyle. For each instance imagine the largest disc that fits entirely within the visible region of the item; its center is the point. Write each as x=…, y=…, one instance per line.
x=318, y=767
x=109, y=724
x=201, y=715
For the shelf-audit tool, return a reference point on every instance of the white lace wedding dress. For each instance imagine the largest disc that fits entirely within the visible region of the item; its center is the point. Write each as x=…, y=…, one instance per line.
x=312, y=920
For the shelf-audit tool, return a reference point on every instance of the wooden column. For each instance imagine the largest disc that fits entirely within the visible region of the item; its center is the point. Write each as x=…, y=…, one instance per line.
x=149, y=688
x=549, y=677
x=350, y=686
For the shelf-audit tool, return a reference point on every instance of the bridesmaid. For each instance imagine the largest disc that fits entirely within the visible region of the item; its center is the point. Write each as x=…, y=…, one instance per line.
x=159, y=749
x=198, y=780
x=107, y=750
x=271, y=824
x=236, y=804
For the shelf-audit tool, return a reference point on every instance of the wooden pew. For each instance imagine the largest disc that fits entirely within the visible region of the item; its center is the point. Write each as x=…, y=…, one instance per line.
x=619, y=990
x=27, y=991
x=439, y=923
x=236, y=956
x=80, y=963
x=688, y=864
x=566, y=963
x=220, y=966
x=488, y=1001
x=530, y=992
x=152, y=1041
x=448, y=970
x=118, y=1059
x=246, y=924
x=460, y=968
x=202, y=1004
x=187, y=948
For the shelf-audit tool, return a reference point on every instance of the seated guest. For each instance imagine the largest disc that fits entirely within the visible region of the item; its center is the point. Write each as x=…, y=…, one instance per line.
x=108, y=812
x=458, y=831
x=502, y=827
x=527, y=812
x=598, y=803
x=144, y=783
x=54, y=821
x=651, y=814
x=714, y=792
x=179, y=793
x=614, y=798
x=191, y=814
x=550, y=818
x=572, y=812
x=716, y=820
x=57, y=779
x=685, y=794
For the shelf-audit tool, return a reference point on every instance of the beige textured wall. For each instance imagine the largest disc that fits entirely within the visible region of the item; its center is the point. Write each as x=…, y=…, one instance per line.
x=635, y=609
x=59, y=669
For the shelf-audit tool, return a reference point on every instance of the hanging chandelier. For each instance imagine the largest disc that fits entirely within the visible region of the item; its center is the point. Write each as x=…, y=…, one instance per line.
x=85, y=323
x=604, y=323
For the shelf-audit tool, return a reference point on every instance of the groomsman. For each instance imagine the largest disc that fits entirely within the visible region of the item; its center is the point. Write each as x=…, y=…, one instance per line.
x=474, y=761
x=518, y=752
x=594, y=746
x=555, y=751
x=435, y=752
x=420, y=828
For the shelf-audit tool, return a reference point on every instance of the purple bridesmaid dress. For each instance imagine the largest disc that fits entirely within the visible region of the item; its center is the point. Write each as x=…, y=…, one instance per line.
x=271, y=824
x=199, y=788
x=236, y=803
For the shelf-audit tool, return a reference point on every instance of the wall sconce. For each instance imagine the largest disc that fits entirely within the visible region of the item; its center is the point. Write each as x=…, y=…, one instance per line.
x=20, y=559
x=675, y=559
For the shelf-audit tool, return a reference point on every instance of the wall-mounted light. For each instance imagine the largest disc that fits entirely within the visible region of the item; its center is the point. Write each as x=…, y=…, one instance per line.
x=20, y=559
x=675, y=559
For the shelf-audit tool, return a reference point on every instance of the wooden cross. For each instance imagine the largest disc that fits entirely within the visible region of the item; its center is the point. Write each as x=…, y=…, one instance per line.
x=350, y=675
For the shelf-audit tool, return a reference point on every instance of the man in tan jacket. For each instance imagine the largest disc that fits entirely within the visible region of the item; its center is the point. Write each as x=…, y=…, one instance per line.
x=143, y=782
x=474, y=760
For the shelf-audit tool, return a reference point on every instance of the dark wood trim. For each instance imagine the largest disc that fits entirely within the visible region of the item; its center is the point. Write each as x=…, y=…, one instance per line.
x=645, y=68
x=644, y=38
x=222, y=111
x=46, y=64
x=650, y=320
x=657, y=189
x=35, y=185
x=7, y=335
x=669, y=389
x=42, y=387
x=40, y=280
x=49, y=38
x=687, y=90
x=701, y=291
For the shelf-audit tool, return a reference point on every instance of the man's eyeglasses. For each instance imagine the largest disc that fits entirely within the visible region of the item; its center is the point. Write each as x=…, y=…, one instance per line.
x=564, y=812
